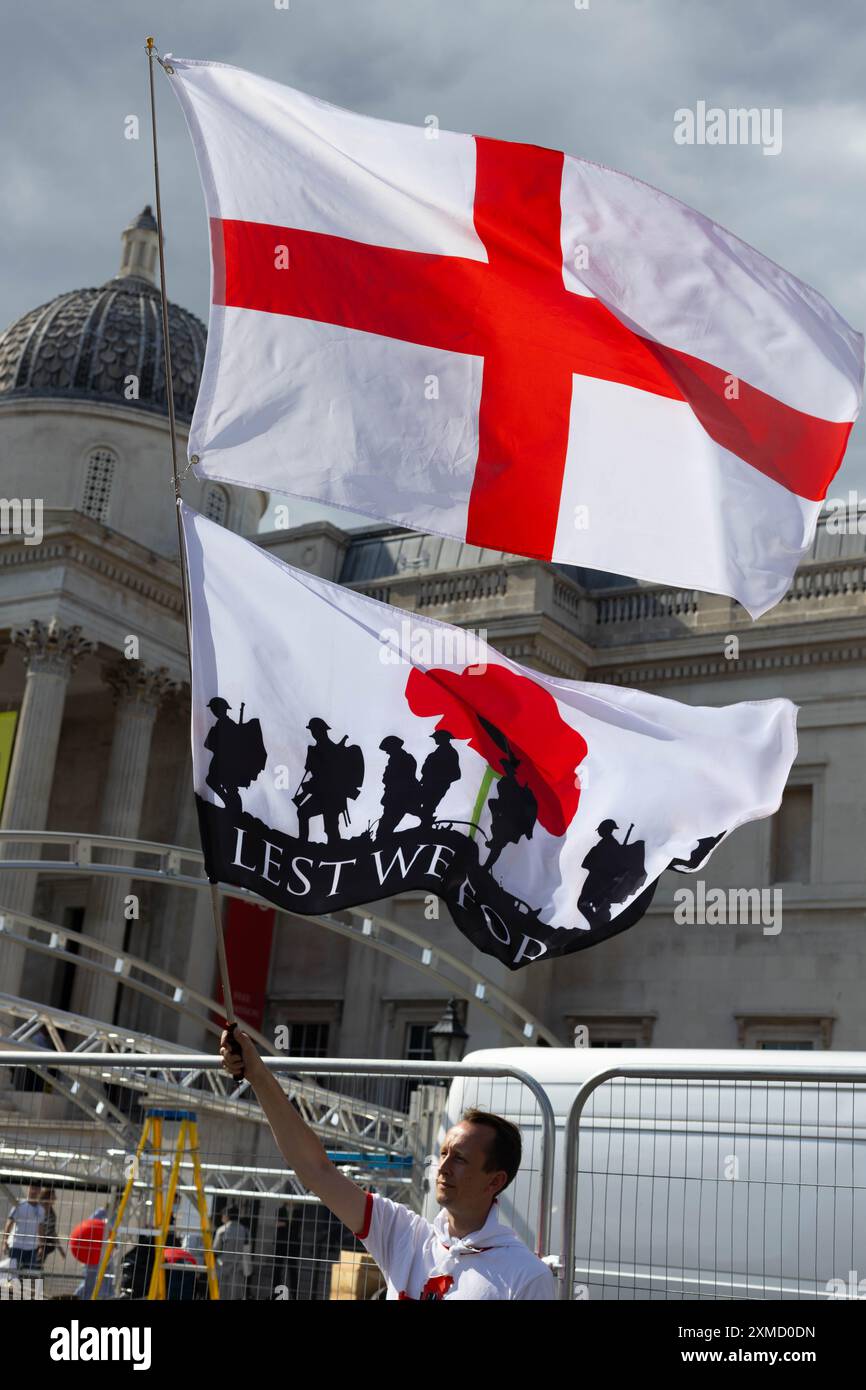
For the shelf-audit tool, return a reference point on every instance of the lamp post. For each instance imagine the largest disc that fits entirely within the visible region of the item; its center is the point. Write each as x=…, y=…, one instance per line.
x=449, y=1037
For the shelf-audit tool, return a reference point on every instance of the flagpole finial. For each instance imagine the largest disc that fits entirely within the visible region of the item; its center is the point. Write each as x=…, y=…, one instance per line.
x=153, y=52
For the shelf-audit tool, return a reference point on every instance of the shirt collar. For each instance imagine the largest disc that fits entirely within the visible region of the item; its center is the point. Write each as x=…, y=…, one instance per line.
x=492, y=1224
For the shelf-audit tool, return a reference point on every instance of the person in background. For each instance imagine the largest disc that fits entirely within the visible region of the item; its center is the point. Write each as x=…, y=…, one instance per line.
x=84, y=1291
x=232, y=1248
x=24, y=1233
x=137, y=1267
x=52, y=1241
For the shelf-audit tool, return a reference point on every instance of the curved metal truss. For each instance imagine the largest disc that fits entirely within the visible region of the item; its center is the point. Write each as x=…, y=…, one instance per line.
x=337, y=1118
x=166, y=866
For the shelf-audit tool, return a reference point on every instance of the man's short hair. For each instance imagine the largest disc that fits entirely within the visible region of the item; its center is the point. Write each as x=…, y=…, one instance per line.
x=506, y=1146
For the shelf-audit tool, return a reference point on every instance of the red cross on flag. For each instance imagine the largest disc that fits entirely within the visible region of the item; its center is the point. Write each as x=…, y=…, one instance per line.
x=508, y=345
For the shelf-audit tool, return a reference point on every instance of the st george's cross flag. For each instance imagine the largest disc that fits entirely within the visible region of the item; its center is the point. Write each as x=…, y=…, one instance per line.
x=508, y=345
x=345, y=751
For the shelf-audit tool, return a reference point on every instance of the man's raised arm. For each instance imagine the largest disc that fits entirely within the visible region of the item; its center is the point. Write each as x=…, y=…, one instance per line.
x=295, y=1140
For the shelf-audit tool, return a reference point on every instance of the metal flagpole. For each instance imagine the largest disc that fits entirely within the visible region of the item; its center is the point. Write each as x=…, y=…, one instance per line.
x=152, y=53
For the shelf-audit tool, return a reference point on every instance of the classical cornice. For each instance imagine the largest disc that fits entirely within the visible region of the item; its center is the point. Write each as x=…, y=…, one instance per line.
x=100, y=551
x=68, y=405
x=703, y=665
x=536, y=648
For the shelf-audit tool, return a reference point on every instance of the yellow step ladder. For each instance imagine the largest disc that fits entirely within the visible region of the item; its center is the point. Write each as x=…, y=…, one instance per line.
x=150, y=1145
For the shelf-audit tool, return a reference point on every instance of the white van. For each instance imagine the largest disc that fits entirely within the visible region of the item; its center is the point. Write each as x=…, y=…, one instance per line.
x=731, y=1188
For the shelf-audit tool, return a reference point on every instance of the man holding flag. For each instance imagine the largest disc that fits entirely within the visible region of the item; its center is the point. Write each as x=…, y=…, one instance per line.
x=466, y=1253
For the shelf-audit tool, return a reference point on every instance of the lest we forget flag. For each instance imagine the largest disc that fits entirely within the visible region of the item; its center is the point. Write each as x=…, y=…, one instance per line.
x=508, y=345
x=345, y=751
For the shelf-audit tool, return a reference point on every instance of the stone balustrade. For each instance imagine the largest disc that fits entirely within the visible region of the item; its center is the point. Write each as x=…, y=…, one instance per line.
x=488, y=595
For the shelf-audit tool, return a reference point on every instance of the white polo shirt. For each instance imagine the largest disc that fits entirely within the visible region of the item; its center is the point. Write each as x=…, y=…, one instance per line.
x=423, y=1262
x=25, y=1232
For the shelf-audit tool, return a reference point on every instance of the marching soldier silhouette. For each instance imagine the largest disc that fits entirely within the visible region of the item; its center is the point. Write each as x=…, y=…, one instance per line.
x=616, y=871
x=513, y=811
x=238, y=754
x=439, y=771
x=401, y=790
x=333, y=774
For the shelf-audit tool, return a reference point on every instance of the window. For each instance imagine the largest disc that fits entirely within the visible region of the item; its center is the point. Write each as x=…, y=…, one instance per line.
x=780, y=1033
x=216, y=505
x=308, y=1039
x=97, y=483
x=792, y=837
x=419, y=1042
x=610, y=1030
x=304, y=1027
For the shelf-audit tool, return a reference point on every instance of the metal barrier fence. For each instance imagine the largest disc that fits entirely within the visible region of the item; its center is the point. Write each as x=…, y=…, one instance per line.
x=727, y=1182
x=162, y=1185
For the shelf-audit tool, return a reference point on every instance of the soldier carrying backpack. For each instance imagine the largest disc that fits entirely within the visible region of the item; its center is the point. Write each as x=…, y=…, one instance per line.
x=333, y=776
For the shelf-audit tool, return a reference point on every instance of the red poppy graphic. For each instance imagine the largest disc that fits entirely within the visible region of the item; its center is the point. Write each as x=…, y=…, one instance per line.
x=500, y=713
x=433, y=1291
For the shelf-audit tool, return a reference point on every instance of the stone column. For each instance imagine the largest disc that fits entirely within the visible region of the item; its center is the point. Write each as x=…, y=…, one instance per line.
x=51, y=653
x=138, y=692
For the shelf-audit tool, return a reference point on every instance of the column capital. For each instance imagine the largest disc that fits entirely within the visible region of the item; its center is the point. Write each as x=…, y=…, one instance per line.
x=141, y=687
x=51, y=649
x=177, y=702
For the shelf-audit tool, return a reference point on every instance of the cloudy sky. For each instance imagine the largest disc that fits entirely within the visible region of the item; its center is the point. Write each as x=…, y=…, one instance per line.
x=601, y=82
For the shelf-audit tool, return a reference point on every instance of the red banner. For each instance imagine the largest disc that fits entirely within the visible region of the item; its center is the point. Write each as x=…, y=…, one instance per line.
x=249, y=931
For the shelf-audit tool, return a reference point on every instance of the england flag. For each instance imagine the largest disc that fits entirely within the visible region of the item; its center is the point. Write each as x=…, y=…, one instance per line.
x=345, y=751
x=505, y=344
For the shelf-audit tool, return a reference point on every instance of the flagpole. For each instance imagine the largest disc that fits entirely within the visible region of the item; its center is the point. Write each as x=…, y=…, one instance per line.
x=222, y=961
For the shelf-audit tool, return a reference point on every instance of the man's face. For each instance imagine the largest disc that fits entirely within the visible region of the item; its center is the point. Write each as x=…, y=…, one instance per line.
x=462, y=1180
x=33, y=1194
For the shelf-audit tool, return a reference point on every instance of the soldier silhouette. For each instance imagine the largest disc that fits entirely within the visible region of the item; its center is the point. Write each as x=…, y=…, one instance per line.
x=615, y=872
x=439, y=771
x=401, y=791
x=333, y=773
x=238, y=754
x=513, y=811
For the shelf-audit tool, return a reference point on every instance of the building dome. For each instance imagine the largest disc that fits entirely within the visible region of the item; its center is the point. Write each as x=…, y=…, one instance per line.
x=85, y=345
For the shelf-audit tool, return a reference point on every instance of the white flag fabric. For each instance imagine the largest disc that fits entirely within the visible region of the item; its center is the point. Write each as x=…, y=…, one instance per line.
x=345, y=750
x=508, y=345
